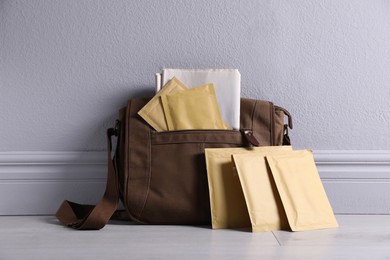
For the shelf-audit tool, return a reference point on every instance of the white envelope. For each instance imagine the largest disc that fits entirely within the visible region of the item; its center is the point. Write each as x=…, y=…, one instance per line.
x=227, y=84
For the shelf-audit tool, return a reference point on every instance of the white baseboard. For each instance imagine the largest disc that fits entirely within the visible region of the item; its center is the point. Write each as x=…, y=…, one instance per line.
x=37, y=182
x=357, y=182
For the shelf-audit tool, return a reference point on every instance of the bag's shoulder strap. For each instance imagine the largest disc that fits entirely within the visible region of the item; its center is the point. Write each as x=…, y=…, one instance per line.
x=84, y=217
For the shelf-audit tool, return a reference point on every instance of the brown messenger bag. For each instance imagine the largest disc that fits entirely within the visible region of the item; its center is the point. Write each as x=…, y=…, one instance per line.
x=160, y=177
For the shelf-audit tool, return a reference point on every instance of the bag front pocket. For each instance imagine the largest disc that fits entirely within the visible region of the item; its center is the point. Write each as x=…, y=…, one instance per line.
x=178, y=187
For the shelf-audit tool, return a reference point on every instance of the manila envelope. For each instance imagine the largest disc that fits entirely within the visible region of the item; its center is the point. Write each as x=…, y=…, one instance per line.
x=301, y=191
x=195, y=108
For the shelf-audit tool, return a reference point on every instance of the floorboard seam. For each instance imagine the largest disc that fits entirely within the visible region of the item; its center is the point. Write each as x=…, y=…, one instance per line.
x=276, y=239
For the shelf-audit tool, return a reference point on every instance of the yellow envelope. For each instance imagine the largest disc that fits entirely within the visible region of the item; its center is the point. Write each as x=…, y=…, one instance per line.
x=153, y=111
x=195, y=108
x=302, y=193
x=261, y=195
x=227, y=202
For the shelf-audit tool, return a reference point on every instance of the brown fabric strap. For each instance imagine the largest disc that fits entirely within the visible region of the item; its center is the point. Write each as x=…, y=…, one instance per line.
x=90, y=217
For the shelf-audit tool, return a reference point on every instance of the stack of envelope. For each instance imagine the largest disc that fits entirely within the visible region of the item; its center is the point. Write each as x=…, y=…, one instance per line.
x=195, y=99
x=266, y=189
x=227, y=85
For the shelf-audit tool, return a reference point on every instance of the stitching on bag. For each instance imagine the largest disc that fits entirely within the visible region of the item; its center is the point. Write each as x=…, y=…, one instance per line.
x=191, y=132
x=253, y=116
x=271, y=125
x=149, y=173
x=125, y=157
x=174, y=138
x=201, y=183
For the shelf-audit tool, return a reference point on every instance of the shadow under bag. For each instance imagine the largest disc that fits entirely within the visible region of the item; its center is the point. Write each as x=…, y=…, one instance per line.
x=161, y=176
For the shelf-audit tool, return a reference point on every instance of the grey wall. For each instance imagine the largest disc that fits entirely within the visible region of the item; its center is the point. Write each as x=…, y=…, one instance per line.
x=66, y=66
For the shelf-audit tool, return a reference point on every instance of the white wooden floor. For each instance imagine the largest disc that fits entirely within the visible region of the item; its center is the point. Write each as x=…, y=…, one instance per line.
x=41, y=237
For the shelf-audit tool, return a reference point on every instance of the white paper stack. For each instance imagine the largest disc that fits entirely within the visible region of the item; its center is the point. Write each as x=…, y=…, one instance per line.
x=227, y=84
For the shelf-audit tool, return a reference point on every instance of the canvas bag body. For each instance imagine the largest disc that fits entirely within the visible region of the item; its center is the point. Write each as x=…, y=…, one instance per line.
x=162, y=175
